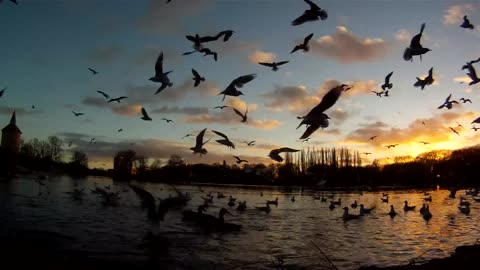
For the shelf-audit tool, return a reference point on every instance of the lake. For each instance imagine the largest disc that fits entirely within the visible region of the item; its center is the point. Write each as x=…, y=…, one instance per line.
x=287, y=232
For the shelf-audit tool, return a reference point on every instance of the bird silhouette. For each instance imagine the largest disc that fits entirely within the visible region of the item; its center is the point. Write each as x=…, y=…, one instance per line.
x=188, y=135
x=2, y=91
x=316, y=118
x=476, y=121
x=273, y=65
x=94, y=72
x=415, y=47
x=197, y=40
x=303, y=46
x=13, y=1
x=33, y=106
x=447, y=103
x=275, y=153
x=160, y=76
x=391, y=145
x=117, y=99
x=240, y=160
x=145, y=115
x=231, y=89
x=379, y=94
x=387, y=83
x=471, y=73
x=120, y=130
x=77, y=114
x=198, y=148
x=475, y=128
x=104, y=94
x=244, y=116
x=207, y=51
x=225, y=141
x=373, y=137
x=366, y=153
x=465, y=100
x=227, y=34
x=466, y=23
x=167, y=120
x=197, y=78
x=250, y=143
x=454, y=131
x=426, y=81
x=312, y=14
x=424, y=143
x=220, y=107
x=92, y=140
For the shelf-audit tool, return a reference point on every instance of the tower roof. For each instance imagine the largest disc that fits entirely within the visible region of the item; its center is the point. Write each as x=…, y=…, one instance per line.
x=12, y=126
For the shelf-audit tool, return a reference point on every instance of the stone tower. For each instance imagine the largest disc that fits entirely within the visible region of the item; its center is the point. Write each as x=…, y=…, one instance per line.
x=11, y=136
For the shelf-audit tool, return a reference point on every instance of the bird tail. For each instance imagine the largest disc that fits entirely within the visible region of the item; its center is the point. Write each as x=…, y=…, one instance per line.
x=422, y=28
x=306, y=49
x=418, y=83
x=275, y=68
x=407, y=54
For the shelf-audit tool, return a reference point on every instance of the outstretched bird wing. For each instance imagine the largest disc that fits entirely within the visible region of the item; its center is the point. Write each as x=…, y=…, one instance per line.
x=220, y=134
x=199, y=141
x=415, y=43
x=312, y=5
x=240, y=81
x=305, y=17
x=266, y=64
x=275, y=153
x=307, y=39
x=472, y=73
x=195, y=73
x=104, y=94
x=387, y=79
x=328, y=100
x=144, y=113
x=282, y=63
x=237, y=158
x=238, y=112
x=310, y=130
x=159, y=65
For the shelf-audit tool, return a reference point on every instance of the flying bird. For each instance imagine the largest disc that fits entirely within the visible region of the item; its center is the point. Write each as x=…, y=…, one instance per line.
x=424, y=143
x=244, y=116
x=13, y=1
x=240, y=160
x=198, y=148
x=94, y=72
x=447, y=103
x=415, y=47
x=475, y=128
x=426, y=81
x=312, y=14
x=275, y=153
x=273, y=65
x=251, y=143
x=465, y=100
x=231, y=89
x=160, y=76
x=197, y=78
x=188, y=135
x=120, y=130
x=303, y=46
x=458, y=124
x=117, y=99
x=92, y=140
x=476, y=121
x=220, y=107
x=366, y=153
x=197, y=40
x=104, y=94
x=456, y=132
x=33, y=106
x=77, y=114
x=379, y=94
x=471, y=73
x=316, y=118
x=2, y=91
x=227, y=34
x=225, y=141
x=167, y=120
x=207, y=51
x=387, y=83
x=373, y=137
x=391, y=145
x=145, y=115
x=466, y=23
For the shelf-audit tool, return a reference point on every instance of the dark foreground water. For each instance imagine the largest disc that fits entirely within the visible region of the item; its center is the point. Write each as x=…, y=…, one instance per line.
x=47, y=212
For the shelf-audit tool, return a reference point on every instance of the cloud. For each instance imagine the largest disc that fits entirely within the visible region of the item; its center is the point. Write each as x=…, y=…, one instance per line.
x=403, y=35
x=463, y=79
x=179, y=110
x=128, y=110
x=160, y=17
x=295, y=99
x=6, y=110
x=454, y=14
x=260, y=56
x=358, y=87
x=267, y=124
x=347, y=48
x=105, y=54
x=339, y=115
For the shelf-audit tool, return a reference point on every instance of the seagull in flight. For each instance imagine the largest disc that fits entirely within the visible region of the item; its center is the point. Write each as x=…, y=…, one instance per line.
x=366, y=153
x=188, y=135
x=273, y=65
x=379, y=94
x=475, y=128
x=33, y=106
x=303, y=46
x=316, y=118
x=251, y=143
x=94, y=72
x=220, y=107
x=387, y=83
x=167, y=120
x=198, y=148
x=13, y=1
x=231, y=89
x=415, y=47
x=275, y=153
x=312, y=14
x=244, y=116
x=145, y=115
x=77, y=114
x=466, y=23
x=197, y=78
x=240, y=160
x=456, y=132
x=476, y=121
x=2, y=91
x=471, y=73
x=117, y=99
x=104, y=94
x=424, y=143
x=373, y=137
x=448, y=104
x=225, y=141
x=426, y=81
x=465, y=100
x=120, y=130
x=197, y=40
x=160, y=76
x=207, y=51
x=92, y=140
x=391, y=145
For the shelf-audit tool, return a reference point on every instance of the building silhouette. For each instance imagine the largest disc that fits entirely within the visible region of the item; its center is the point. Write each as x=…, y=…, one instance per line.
x=11, y=136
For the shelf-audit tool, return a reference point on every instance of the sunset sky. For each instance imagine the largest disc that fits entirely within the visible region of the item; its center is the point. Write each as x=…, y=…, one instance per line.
x=47, y=47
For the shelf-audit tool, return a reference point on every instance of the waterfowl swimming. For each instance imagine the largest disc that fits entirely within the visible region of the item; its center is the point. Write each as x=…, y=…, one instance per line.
x=231, y=203
x=384, y=194
x=323, y=199
x=364, y=210
x=392, y=212
x=346, y=216
x=331, y=206
x=339, y=202
x=423, y=209
x=406, y=207
x=292, y=199
x=427, y=215
x=354, y=204
x=273, y=202
x=428, y=199
x=463, y=202
x=265, y=209
x=465, y=209
x=242, y=206
x=220, y=195
x=219, y=224
x=190, y=215
x=384, y=200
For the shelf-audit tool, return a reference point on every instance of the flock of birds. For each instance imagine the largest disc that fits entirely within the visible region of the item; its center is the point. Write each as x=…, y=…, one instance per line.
x=316, y=118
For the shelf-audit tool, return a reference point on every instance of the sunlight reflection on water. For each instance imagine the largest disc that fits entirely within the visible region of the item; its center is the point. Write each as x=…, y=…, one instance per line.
x=286, y=232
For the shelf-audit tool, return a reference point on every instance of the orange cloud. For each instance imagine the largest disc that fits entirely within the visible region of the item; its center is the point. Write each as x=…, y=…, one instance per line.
x=294, y=99
x=261, y=56
x=403, y=36
x=127, y=110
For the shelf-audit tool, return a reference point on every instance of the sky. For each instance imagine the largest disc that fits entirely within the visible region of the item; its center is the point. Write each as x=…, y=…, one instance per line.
x=48, y=46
